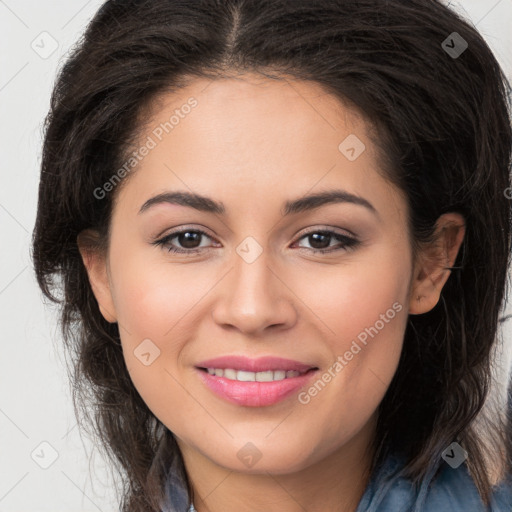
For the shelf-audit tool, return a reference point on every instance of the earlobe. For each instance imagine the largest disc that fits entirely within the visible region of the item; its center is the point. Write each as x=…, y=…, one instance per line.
x=432, y=268
x=95, y=262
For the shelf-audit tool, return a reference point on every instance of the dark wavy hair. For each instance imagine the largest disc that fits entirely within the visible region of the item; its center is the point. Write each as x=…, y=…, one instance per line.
x=442, y=124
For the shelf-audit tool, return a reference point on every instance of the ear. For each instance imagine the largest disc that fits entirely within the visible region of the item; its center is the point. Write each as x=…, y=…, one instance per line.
x=431, y=270
x=95, y=260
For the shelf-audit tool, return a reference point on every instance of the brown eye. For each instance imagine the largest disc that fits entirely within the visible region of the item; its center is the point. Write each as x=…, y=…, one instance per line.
x=189, y=239
x=320, y=241
x=186, y=241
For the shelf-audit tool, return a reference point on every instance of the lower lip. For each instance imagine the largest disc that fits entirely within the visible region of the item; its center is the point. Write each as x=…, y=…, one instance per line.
x=254, y=394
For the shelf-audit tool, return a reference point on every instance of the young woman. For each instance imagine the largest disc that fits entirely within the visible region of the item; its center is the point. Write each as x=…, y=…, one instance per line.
x=281, y=230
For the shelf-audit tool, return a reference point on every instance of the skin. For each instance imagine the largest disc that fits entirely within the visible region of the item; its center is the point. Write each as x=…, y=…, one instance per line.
x=253, y=143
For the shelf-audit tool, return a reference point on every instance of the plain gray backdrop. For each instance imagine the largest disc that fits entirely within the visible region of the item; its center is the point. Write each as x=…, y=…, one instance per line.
x=44, y=464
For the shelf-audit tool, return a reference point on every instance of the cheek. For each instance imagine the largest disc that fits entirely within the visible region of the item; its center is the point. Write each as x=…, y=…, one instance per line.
x=343, y=300
x=150, y=296
x=155, y=309
x=363, y=313
x=368, y=301
x=373, y=321
x=153, y=305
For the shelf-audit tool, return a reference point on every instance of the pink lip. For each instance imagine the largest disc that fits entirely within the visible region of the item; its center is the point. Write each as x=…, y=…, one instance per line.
x=254, y=394
x=261, y=364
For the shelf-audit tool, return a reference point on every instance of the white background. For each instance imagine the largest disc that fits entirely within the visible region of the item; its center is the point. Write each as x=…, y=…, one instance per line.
x=35, y=403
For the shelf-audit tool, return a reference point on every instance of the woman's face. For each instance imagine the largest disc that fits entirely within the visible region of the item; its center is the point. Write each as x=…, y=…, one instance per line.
x=254, y=286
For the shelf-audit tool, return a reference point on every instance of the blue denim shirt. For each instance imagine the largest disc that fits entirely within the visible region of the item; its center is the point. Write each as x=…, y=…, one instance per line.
x=452, y=490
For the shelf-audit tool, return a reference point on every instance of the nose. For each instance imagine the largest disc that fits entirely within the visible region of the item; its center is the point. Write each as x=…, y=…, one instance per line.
x=253, y=297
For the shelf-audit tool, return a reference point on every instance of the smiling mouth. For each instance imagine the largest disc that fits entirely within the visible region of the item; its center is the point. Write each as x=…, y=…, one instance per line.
x=246, y=376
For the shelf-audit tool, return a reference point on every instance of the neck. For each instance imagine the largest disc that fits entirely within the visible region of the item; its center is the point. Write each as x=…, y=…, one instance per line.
x=336, y=482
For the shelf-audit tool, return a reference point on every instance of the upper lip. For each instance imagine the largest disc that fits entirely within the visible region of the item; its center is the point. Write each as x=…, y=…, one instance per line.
x=261, y=364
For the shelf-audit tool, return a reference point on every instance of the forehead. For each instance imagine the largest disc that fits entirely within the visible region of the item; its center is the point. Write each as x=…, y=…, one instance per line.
x=250, y=136
x=251, y=114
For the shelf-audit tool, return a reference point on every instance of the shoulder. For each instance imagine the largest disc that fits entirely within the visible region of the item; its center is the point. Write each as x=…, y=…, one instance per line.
x=444, y=489
x=454, y=489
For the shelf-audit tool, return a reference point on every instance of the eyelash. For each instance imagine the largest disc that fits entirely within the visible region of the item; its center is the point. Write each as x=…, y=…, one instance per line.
x=348, y=243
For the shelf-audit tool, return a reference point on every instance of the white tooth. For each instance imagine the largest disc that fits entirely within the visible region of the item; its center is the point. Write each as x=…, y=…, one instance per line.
x=245, y=376
x=265, y=376
x=229, y=373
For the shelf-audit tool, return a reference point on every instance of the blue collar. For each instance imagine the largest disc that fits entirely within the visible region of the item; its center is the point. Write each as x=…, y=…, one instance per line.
x=443, y=489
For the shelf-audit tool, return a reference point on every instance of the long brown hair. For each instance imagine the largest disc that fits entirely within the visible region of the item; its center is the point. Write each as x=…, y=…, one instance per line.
x=442, y=121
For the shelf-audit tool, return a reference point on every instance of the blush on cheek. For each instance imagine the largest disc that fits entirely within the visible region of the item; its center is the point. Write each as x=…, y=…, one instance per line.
x=372, y=342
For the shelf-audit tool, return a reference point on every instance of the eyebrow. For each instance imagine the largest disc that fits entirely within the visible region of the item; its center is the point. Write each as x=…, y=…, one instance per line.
x=206, y=204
